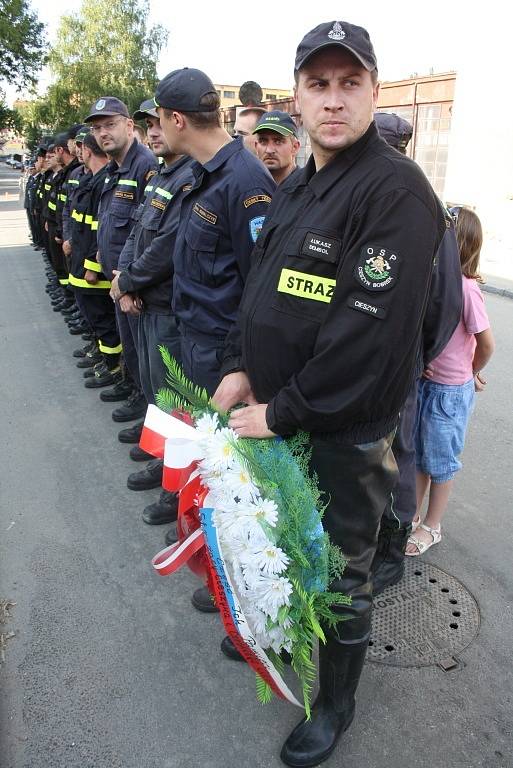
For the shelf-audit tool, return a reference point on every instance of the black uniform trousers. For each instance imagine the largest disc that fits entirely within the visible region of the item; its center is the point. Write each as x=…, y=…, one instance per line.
x=357, y=480
x=155, y=330
x=402, y=505
x=99, y=313
x=127, y=329
x=202, y=357
x=56, y=253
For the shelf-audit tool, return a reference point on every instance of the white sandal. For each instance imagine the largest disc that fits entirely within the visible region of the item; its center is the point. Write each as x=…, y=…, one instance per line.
x=415, y=522
x=422, y=546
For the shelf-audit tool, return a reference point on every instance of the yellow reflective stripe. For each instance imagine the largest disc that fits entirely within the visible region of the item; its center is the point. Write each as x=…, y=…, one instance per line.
x=88, y=219
x=73, y=181
x=163, y=192
x=48, y=187
x=306, y=286
x=92, y=265
x=84, y=284
x=63, y=281
x=62, y=198
x=148, y=188
x=77, y=216
x=94, y=225
x=127, y=183
x=52, y=206
x=109, y=350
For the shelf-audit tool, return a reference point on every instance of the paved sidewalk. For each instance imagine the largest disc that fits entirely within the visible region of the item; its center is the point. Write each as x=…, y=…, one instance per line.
x=110, y=666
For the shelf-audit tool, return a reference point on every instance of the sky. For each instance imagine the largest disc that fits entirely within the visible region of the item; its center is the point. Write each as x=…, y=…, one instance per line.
x=237, y=41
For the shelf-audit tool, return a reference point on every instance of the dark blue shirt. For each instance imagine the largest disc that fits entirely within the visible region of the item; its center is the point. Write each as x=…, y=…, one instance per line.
x=122, y=192
x=147, y=258
x=220, y=220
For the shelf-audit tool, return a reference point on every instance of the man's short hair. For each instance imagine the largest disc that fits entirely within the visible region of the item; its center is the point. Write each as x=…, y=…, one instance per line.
x=211, y=118
x=90, y=142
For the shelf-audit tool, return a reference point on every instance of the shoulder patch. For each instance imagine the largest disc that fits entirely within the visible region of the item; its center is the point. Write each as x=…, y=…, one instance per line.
x=256, y=199
x=150, y=175
x=255, y=227
x=377, y=268
x=204, y=214
x=187, y=188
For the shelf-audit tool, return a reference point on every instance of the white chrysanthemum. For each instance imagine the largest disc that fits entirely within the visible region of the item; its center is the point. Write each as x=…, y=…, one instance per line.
x=239, y=482
x=219, y=451
x=257, y=621
x=277, y=639
x=271, y=594
x=262, y=510
x=270, y=560
x=208, y=423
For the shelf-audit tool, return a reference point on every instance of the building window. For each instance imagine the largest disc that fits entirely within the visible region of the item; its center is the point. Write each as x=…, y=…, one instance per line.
x=270, y=97
x=229, y=94
x=431, y=143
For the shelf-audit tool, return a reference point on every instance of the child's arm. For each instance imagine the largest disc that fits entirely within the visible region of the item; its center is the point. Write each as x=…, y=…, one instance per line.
x=485, y=347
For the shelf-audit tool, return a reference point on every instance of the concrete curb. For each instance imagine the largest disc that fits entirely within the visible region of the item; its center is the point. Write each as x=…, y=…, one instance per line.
x=498, y=291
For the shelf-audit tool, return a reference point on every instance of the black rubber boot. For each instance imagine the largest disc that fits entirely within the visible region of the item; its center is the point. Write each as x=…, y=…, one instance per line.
x=340, y=666
x=135, y=407
x=388, y=564
x=132, y=434
x=137, y=454
x=165, y=510
x=121, y=391
x=203, y=601
x=148, y=478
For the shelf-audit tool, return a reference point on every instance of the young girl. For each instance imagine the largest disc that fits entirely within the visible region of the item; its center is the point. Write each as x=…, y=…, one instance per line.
x=447, y=391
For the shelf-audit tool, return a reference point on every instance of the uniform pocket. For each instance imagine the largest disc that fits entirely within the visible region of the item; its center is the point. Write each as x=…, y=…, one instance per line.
x=201, y=251
x=307, y=279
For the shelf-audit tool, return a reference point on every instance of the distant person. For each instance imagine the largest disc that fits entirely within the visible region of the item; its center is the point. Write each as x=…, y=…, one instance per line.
x=396, y=131
x=245, y=122
x=447, y=391
x=277, y=144
x=140, y=135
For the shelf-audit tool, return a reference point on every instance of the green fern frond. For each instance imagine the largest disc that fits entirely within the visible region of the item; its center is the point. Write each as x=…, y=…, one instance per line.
x=168, y=401
x=263, y=690
x=195, y=396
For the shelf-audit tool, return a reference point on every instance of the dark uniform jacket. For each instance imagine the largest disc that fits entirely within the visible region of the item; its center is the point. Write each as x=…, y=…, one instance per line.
x=30, y=193
x=63, y=192
x=334, y=305
x=50, y=195
x=39, y=193
x=148, y=252
x=220, y=220
x=72, y=187
x=122, y=192
x=84, y=217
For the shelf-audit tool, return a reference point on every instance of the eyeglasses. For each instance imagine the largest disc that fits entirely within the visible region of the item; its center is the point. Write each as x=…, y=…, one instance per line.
x=106, y=126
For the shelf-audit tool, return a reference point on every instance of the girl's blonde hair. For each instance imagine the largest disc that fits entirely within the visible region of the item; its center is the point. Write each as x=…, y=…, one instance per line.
x=469, y=234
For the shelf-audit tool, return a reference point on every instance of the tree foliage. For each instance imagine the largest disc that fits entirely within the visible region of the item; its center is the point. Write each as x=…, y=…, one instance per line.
x=22, y=43
x=107, y=48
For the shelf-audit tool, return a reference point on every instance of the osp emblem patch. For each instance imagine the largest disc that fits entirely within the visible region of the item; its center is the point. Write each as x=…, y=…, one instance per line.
x=377, y=268
x=100, y=104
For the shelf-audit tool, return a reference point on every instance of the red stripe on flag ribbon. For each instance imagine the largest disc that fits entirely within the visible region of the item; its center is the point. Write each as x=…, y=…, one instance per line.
x=172, y=558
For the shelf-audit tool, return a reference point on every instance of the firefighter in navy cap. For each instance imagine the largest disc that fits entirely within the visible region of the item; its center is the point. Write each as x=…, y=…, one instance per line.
x=277, y=144
x=329, y=330
x=75, y=135
x=148, y=275
x=131, y=166
x=221, y=217
x=442, y=316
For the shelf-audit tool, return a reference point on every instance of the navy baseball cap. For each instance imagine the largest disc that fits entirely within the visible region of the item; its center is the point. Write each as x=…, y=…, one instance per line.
x=79, y=138
x=280, y=122
x=72, y=132
x=394, y=129
x=146, y=108
x=183, y=89
x=107, y=106
x=354, y=39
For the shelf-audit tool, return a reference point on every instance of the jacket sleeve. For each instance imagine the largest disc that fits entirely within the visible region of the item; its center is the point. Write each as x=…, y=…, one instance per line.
x=247, y=216
x=445, y=301
x=368, y=335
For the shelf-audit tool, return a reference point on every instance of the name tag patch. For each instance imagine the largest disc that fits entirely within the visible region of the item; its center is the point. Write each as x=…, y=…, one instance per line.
x=306, y=286
x=322, y=247
x=204, y=214
x=367, y=308
x=123, y=194
x=256, y=199
x=377, y=268
x=158, y=204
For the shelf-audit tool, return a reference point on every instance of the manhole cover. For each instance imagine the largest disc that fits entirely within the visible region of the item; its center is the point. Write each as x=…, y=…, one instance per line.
x=425, y=619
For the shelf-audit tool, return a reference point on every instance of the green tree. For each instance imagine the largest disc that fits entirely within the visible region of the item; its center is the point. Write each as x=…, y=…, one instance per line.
x=107, y=48
x=22, y=44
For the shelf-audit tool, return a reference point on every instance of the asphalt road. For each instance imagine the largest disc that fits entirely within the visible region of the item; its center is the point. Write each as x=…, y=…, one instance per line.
x=111, y=667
